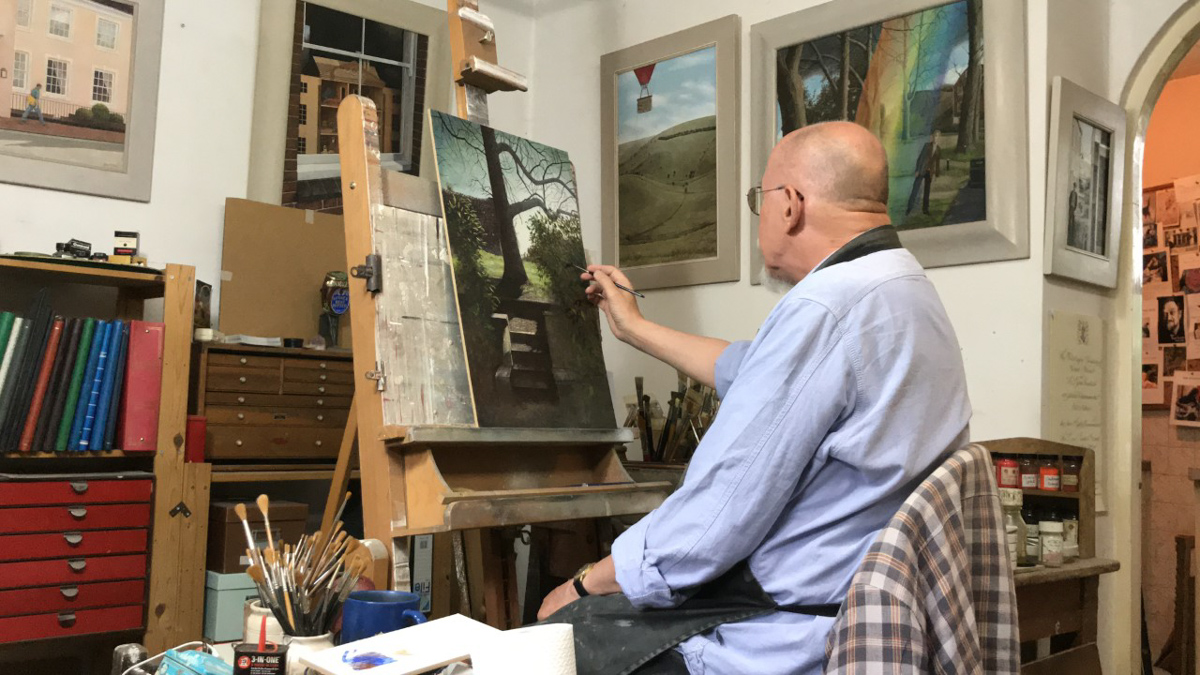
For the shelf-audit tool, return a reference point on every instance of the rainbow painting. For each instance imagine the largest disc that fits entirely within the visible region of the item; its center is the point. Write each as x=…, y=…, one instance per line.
x=916, y=81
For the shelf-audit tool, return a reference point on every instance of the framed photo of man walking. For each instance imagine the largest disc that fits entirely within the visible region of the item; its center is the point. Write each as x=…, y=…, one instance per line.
x=1083, y=199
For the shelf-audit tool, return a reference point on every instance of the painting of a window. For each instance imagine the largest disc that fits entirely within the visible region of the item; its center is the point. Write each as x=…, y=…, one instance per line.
x=24, y=13
x=56, y=77
x=21, y=70
x=60, y=21
x=102, y=86
x=106, y=33
x=343, y=55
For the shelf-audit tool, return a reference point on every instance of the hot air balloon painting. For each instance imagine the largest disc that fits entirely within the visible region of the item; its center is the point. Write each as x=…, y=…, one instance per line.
x=667, y=160
x=917, y=82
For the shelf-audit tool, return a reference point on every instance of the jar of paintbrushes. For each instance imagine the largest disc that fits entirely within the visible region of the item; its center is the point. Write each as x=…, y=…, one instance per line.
x=303, y=585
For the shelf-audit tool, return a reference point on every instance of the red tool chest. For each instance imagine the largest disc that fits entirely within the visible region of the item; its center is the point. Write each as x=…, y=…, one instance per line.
x=74, y=552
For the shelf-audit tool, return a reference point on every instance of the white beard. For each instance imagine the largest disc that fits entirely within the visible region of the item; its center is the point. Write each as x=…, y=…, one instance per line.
x=773, y=283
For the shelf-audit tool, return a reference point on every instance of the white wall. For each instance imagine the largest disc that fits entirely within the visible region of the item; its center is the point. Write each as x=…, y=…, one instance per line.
x=202, y=151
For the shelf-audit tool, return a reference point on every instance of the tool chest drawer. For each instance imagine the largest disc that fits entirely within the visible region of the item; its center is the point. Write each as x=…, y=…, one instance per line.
x=258, y=442
x=71, y=571
x=72, y=544
x=17, y=490
x=260, y=380
x=72, y=518
x=67, y=623
x=277, y=417
x=224, y=398
x=73, y=596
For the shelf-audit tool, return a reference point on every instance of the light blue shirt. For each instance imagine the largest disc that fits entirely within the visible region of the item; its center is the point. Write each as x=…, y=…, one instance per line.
x=852, y=393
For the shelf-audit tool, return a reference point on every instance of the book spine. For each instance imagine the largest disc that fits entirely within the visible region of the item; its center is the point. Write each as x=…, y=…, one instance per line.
x=106, y=388
x=110, y=428
x=143, y=388
x=59, y=378
x=7, y=319
x=40, y=385
x=10, y=375
x=89, y=376
x=80, y=368
x=93, y=399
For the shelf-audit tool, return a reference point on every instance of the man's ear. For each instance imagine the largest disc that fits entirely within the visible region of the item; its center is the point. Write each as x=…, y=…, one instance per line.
x=793, y=211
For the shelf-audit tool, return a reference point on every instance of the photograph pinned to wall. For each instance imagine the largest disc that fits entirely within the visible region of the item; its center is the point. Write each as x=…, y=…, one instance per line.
x=1185, y=272
x=78, y=95
x=927, y=78
x=1170, y=320
x=1181, y=238
x=1152, y=383
x=1166, y=209
x=1151, y=234
x=1149, y=326
x=1174, y=360
x=1185, y=407
x=1086, y=168
x=532, y=339
x=669, y=109
x=1156, y=268
x=1192, y=325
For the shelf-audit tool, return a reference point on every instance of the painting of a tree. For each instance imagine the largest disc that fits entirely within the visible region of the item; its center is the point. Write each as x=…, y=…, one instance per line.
x=512, y=220
x=916, y=81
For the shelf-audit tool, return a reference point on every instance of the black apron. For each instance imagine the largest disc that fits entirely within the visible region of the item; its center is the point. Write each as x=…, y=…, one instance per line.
x=612, y=637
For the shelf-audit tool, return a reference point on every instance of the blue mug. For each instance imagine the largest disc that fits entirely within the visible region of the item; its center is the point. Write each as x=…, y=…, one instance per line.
x=369, y=613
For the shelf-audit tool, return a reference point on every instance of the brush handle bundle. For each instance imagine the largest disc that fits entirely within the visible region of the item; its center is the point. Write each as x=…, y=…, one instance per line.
x=305, y=585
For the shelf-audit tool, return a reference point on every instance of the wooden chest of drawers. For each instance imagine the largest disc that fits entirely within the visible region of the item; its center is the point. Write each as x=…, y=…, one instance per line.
x=73, y=554
x=266, y=403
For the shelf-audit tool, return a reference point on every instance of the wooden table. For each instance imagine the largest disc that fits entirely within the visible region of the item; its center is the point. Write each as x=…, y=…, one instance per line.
x=1062, y=603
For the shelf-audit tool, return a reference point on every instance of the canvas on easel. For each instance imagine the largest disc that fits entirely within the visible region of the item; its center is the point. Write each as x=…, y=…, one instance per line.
x=530, y=336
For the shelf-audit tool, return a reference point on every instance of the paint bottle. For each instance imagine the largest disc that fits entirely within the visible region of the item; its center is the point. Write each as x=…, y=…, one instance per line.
x=1029, y=473
x=1014, y=525
x=1008, y=472
x=1049, y=477
x=1070, y=474
x=1033, y=539
x=1051, y=532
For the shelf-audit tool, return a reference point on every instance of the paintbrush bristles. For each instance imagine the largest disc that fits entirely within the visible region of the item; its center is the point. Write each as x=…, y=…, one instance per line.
x=264, y=505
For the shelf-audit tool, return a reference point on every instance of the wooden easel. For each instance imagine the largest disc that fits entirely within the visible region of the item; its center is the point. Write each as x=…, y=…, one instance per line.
x=426, y=466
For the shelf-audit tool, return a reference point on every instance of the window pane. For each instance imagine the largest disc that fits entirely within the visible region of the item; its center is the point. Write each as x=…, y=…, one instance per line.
x=384, y=41
x=106, y=34
x=21, y=70
x=24, y=12
x=56, y=76
x=303, y=114
x=102, y=82
x=60, y=21
x=331, y=28
x=302, y=146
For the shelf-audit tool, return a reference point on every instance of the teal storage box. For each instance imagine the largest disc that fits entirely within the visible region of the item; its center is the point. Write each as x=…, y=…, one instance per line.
x=224, y=605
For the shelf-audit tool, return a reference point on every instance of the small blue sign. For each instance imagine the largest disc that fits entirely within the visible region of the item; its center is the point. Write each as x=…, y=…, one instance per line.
x=340, y=301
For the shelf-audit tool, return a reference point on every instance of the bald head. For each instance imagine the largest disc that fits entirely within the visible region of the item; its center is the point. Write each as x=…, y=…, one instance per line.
x=838, y=162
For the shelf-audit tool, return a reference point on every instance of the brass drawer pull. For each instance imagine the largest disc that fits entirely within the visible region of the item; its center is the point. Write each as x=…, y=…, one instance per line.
x=322, y=365
x=320, y=401
x=241, y=399
x=321, y=389
x=318, y=443
x=242, y=379
x=324, y=377
x=242, y=360
x=238, y=442
x=320, y=418
x=241, y=416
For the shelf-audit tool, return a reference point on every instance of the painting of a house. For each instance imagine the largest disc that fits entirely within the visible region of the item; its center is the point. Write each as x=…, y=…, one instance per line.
x=532, y=339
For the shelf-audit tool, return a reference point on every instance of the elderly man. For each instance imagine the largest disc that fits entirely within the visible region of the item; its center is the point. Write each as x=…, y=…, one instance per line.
x=850, y=394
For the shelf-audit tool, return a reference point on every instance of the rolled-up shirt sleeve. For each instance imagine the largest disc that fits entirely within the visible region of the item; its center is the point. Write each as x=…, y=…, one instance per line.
x=781, y=395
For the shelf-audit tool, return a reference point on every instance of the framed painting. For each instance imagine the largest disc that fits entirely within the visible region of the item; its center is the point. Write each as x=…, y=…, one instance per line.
x=531, y=338
x=79, y=94
x=669, y=109
x=1083, y=192
x=943, y=86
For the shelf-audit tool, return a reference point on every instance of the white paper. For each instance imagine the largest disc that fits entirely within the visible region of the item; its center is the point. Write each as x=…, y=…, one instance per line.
x=1185, y=400
x=1152, y=382
x=407, y=651
x=1074, y=384
x=1149, y=326
x=1187, y=189
x=546, y=649
x=1192, y=326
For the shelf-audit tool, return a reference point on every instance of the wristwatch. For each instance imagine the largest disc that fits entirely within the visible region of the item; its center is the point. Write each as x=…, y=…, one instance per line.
x=577, y=581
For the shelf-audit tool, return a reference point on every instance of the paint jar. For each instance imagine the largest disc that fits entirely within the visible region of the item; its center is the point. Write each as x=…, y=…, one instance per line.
x=1070, y=537
x=1033, y=539
x=1029, y=473
x=1070, y=474
x=1008, y=472
x=1014, y=525
x=1051, y=533
x=1049, y=477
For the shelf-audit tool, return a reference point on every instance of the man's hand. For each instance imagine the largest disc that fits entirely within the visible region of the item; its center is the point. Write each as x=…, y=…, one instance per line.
x=620, y=307
x=558, y=598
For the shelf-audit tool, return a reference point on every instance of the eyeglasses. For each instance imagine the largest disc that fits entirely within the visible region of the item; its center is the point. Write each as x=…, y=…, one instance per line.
x=754, y=197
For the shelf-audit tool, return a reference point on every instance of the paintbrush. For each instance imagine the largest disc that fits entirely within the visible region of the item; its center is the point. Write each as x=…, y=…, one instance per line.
x=624, y=288
x=264, y=504
x=240, y=510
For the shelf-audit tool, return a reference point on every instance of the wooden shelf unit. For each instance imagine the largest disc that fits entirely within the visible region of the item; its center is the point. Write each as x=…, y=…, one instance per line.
x=175, y=600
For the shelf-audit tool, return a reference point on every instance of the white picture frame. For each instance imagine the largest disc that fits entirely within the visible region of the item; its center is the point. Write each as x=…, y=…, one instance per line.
x=1084, y=193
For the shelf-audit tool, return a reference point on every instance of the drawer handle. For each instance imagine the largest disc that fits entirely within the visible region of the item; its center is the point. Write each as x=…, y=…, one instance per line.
x=78, y=564
x=242, y=360
x=319, y=443
x=241, y=416
x=241, y=399
x=322, y=365
x=66, y=619
x=324, y=377
x=73, y=538
x=242, y=379
x=79, y=487
x=77, y=512
x=320, y=418
x=238, y=442
x=320, y=401
x=69, y=592
x=321, y=389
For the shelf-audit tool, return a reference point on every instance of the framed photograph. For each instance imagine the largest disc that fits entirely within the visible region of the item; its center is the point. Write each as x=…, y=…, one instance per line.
x=79, y=95
x=669, y=109
x=1083, y=199
x=923, y=75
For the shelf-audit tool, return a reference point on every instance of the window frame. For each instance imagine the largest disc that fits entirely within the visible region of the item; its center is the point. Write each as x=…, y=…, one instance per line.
x=24, y=87
x=28, y=25
x=302, y=115
x=66, y=78
x=301, y=145
x=69, y=23
x=112, y=85
x=116, y=34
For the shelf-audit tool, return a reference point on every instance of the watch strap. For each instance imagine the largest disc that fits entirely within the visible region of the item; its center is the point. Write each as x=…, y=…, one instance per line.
x=578, y=583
